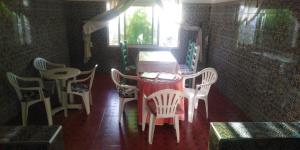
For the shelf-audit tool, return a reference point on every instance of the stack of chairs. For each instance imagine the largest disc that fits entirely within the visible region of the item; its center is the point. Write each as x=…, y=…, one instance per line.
x=124, y=67
x=191, y=62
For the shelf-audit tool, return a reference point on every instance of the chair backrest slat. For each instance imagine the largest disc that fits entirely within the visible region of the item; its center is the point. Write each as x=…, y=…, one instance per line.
x=13, y=80
x=40, y=64
x=166, y=101
x=209, y=77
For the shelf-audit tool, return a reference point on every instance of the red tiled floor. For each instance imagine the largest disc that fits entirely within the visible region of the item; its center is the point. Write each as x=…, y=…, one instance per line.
x=101, y=130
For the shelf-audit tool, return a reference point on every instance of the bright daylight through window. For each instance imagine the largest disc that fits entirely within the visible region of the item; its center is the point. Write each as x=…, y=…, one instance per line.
x=146, y=26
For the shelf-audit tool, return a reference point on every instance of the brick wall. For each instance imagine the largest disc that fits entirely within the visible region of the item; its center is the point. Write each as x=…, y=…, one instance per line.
x=258, y=61
x=28, y=29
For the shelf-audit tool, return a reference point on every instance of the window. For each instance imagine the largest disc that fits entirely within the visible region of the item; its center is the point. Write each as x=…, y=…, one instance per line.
x=146, y=25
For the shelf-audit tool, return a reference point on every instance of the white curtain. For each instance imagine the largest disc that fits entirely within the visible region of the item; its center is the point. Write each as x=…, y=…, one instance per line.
x=249, y=9
x=100, y=21
x=169, y=22
x=171, y=11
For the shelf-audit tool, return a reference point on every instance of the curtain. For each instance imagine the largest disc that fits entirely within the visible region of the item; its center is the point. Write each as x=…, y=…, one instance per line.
x=116, y=7
x=100, y=21
x=169, y=22
x=249, y=9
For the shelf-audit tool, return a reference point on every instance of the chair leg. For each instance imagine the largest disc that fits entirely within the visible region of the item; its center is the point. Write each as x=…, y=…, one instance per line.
x=121, y=109
x=174, y=122
x=91, y=98
x=71, y=98
x=196, y=103
x=48, y=111
x=24, y=110
x=59, y=93
x=151, y=129
x=190, y=109
x=144, y=120
x=86, y=102
x=206, y=106
x=177, y=128
x=144, y=113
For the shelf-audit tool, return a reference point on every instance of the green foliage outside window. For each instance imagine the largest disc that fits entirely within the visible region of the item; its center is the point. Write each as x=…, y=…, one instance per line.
x=277, y=24
x=139, y=29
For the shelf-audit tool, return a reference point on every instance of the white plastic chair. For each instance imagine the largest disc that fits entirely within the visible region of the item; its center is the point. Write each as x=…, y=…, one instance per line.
x=162, y=104
x=126, y=92
x=209, y=76
x=82, y=86
x=30, y=95
x=42, y=65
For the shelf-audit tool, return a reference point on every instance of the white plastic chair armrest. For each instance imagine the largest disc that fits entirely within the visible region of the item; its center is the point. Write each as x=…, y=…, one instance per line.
x=56, y=65
x=31, y=88
x=39, y=80
x=201, y=85
x=84, y=72
x=190, y=76
x=130, y=87
x=130, y=77
x=78, y=80
x=39, y=89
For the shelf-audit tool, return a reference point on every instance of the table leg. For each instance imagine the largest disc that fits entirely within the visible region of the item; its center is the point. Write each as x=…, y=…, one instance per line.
x=65, y=104
x=58, y=87
x=60, y=84
x=63, y=99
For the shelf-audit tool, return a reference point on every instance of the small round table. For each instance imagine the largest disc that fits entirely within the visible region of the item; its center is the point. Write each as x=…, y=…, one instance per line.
x=60, y=75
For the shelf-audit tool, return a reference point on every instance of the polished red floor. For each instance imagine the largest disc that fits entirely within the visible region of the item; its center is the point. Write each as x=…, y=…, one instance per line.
x=101, y=130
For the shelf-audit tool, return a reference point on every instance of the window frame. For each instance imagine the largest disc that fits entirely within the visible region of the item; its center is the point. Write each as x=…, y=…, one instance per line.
x=144, y=46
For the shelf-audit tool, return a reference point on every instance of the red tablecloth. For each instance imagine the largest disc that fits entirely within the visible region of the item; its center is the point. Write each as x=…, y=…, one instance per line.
x=147, y=87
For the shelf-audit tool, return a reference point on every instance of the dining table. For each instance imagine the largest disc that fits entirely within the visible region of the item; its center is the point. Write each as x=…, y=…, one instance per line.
x=61, y=75
x=156, y=61
x=161, y=64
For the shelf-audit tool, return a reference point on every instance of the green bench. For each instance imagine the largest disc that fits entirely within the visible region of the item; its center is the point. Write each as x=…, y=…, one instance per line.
x=254, y=136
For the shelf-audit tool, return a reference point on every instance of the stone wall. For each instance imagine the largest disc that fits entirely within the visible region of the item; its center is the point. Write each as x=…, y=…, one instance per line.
x=28, y=29
x=258, y=60
x=77, y=12
x=195, y=15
